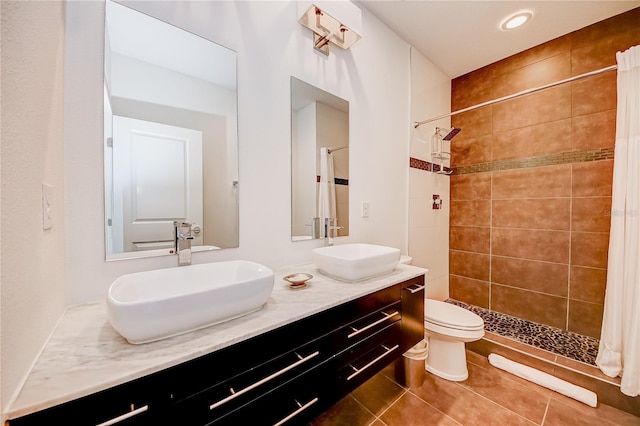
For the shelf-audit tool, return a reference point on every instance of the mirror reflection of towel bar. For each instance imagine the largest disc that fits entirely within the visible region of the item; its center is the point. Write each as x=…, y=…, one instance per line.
x=332, y=150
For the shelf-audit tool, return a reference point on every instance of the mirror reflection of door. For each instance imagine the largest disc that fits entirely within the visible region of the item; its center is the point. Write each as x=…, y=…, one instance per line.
x=158, y=180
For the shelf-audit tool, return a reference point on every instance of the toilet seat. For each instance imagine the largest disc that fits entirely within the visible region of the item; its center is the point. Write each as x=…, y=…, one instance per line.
x=446, y=315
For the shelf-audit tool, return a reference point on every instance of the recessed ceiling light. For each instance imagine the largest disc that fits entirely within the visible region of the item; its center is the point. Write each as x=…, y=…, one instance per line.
x=516, y=20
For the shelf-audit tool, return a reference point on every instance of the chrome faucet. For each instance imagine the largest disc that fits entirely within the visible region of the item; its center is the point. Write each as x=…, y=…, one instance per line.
x=183, y=237
x=330, y=230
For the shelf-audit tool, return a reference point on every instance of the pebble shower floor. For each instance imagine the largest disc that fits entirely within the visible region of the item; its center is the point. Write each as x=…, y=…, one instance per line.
x=561, y=342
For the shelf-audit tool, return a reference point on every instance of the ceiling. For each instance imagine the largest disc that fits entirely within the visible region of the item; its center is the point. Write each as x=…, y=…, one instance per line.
x=462, y=36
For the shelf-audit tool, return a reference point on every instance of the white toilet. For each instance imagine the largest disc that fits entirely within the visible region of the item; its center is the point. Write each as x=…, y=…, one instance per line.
x=448, y=327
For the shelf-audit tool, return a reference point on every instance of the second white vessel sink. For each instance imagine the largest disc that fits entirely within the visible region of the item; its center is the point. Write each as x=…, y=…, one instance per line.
x=152, y=305
x=355, y=262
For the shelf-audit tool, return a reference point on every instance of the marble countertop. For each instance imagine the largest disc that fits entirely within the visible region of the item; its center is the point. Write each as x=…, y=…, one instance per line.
x=85, y=354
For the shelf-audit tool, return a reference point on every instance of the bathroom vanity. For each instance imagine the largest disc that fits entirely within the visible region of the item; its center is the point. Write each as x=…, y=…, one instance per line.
x=285, y=364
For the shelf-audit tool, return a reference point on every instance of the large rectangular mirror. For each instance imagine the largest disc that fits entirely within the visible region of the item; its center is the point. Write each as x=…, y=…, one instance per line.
x=319, y=163
x=170, y=136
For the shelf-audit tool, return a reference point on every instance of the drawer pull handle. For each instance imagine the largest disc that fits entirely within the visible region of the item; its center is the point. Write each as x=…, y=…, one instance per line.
x=125, y=416
x=263, y=381
x=373, y=324
x=298, y=411
x=415, y=290
x=388, y=351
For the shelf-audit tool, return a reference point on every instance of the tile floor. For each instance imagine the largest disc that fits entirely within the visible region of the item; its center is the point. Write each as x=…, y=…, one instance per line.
x=488, y=397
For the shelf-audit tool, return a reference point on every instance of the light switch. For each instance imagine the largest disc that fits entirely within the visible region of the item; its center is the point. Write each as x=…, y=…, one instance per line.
x=365, y=209
x=47, y=196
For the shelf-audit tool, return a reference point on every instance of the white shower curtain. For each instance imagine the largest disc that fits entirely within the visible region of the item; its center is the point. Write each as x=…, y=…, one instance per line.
x=619, y=352
x=327, y=189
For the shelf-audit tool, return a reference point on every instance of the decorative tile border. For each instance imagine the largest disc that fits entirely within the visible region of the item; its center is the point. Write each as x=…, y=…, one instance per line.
x=541, y=160
x=561, y=342
x=337, y=181
x=416, y=163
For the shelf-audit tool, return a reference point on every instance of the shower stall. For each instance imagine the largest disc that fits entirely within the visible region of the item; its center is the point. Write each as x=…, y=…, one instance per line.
x=528, y=199
x=531, y=191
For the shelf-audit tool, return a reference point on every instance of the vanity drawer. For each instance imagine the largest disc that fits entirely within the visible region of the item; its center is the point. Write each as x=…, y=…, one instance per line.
x=134, y=403
x=360, y=362
x=366, y=326
x=295, y=402
x=359, y=308
x=225, y=397
x=257, y=354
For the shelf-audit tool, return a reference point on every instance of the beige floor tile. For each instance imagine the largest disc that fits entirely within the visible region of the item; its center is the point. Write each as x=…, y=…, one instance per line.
x=602, y=413
x=378, y=393
x=410, y=410
x=519, y=398
x=464, y=405
x=347, y=412
x=560, y=414
x=489, y=397
x=483, y=362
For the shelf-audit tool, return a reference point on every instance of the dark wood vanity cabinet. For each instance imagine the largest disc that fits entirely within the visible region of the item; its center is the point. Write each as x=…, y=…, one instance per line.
x=286, y=376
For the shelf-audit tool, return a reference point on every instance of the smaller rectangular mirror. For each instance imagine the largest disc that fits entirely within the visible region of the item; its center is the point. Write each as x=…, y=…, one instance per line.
x=319, y=163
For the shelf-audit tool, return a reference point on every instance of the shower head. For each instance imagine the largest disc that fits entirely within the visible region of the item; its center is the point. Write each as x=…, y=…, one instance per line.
x=451, y=133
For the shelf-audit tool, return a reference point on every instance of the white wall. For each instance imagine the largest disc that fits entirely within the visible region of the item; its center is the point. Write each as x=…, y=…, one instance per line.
x=428, y=228
x=272, y=46
x=141, y=81
x=33, y=281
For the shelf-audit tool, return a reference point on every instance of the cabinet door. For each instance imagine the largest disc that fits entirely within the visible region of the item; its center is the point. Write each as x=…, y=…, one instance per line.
x=412, y=313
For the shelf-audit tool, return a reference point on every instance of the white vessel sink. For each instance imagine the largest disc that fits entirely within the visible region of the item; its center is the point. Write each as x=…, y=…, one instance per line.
x=355, y=262
x=152, y=305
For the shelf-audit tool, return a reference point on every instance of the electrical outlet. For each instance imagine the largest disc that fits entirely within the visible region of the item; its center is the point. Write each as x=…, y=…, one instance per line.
x=437, y=202
x=365, y=209
x=47, y=207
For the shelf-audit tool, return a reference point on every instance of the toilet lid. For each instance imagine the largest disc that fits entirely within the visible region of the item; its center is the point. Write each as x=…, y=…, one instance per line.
x=448, y=315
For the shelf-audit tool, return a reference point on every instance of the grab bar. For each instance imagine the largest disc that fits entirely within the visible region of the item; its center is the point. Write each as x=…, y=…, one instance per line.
x=263, y=381
x=358, y=371
x=373, y=324
x=298, y=411
x=125, y=416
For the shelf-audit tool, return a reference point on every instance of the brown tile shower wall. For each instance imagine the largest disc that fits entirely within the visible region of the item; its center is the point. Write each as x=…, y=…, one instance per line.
x=531, y=193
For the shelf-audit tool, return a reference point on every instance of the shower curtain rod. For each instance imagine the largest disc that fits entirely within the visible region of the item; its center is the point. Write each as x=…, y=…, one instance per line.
x=515, y=95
